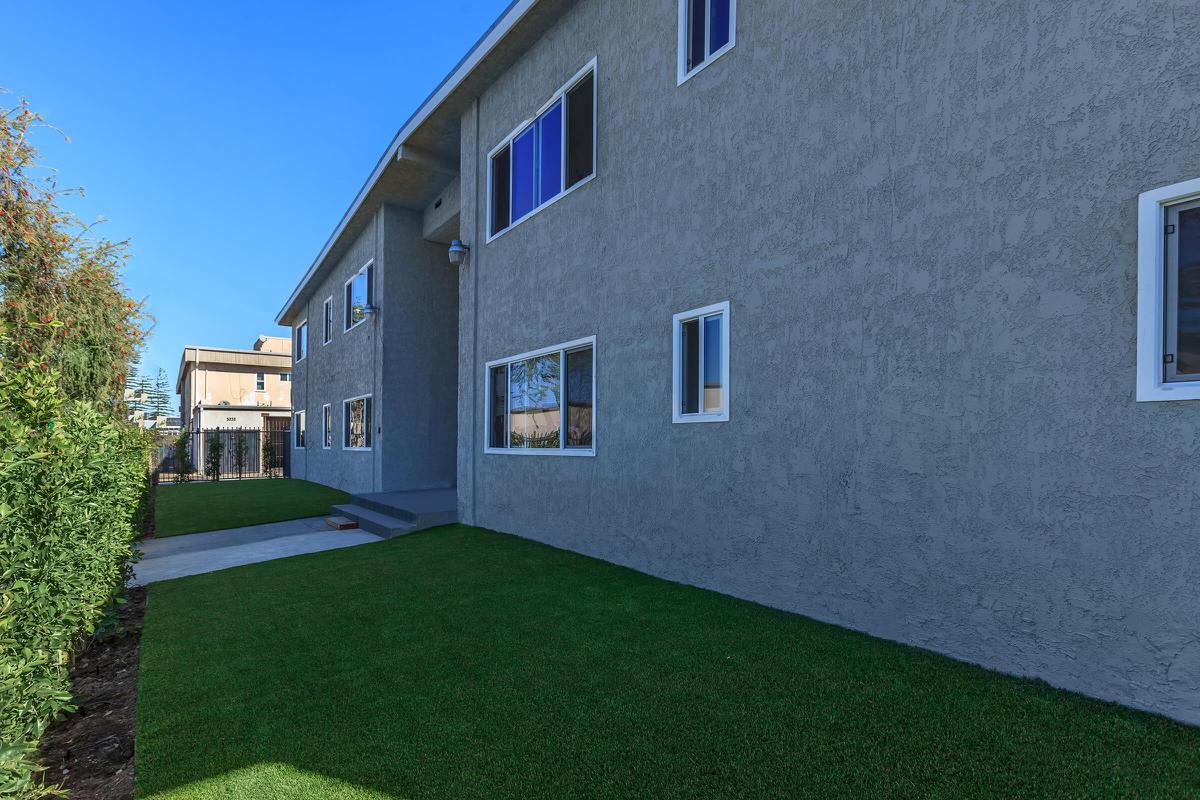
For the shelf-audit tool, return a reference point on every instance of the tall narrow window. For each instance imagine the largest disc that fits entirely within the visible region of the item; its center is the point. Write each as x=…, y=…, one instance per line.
x=359, y=295
x=545, y=157
x=542, y=401
x=326, y=426
x=706, y=32
x=1168, y=327
x=300, y=341
x=356, y=423
x=327, y=321
x=260, y=381
x=701, y=365
x=298, y=429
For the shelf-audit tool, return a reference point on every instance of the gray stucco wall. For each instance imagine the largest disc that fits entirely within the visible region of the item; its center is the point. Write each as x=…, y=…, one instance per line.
x=349, y=366
x=924, y=216
x=420, y=357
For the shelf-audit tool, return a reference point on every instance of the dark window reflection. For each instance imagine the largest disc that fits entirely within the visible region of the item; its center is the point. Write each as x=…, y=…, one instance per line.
x=579, y=131
x=718, y=35
x=524, y=156
x=696, y=21
x=497, y=437
x=551, y=158
x=500, y=190
x=579, y=398
x=690, y=345
x=1188, y=355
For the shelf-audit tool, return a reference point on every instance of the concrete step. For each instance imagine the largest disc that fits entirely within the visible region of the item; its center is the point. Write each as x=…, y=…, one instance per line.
x=375, y=522
x=341, y=523
x=366, y=501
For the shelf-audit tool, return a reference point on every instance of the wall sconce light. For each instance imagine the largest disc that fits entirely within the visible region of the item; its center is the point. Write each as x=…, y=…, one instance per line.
x=458, y=253
x=370, y=311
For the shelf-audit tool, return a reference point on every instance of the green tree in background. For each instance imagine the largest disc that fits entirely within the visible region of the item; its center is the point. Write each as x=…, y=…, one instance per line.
x=160, y=395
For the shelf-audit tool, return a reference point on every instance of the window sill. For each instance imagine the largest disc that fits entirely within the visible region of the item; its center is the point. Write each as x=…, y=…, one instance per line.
x=541, y=208
x=352, y=327
x=685, y=77
x=1165, y=392
x=535, y=451
x=684, y=419
x=357, y=449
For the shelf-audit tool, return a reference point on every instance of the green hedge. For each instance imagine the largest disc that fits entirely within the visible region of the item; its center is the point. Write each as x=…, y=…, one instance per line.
x=72, y=479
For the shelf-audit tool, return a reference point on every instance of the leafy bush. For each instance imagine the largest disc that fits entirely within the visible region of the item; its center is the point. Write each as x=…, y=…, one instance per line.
x=240, y=451
x=215, y=451
x=71, y=483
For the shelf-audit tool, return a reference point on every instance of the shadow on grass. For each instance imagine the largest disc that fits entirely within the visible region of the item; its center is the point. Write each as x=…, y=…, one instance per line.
x=467, y=664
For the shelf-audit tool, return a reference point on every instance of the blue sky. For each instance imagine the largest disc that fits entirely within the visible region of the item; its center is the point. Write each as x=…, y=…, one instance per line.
x=225, y=140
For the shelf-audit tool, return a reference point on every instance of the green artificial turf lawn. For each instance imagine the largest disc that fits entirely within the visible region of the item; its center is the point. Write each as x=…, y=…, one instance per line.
x=196, y=507
x=460, y=663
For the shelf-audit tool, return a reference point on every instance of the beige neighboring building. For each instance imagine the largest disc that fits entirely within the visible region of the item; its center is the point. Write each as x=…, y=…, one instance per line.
x=224, y=387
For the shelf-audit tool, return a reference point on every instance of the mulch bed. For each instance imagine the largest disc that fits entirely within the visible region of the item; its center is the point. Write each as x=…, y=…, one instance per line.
x=90, y=752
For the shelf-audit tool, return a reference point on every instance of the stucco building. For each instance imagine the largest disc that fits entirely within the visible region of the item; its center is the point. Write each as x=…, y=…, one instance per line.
x=224, y=387
x=884, y=315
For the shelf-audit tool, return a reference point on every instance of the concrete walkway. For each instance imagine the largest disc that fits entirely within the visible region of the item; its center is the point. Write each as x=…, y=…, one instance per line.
x=196, y=553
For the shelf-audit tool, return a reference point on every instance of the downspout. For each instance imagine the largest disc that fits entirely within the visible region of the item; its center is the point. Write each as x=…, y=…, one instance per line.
x=477, y=256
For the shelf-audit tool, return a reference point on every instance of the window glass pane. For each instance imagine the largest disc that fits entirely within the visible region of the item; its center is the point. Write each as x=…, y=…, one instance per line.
x=499, y=389
x=690, y=366
x=695, y=33
x=718, y=30
x=524, y=157
x=500, y=189
x=712, y=363
x=579, y=398
x=368, y=422
x=357, y=424
x=580, y=130
x=327, y=426
x=550, y=163
x=356, y=299
x=1188, y=309
x=534, y=388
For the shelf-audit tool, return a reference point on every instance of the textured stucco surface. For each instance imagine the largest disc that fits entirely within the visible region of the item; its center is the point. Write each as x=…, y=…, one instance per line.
x=923, y=215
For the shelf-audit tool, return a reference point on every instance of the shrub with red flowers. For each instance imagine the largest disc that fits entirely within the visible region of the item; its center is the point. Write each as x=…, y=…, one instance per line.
x=72, y=468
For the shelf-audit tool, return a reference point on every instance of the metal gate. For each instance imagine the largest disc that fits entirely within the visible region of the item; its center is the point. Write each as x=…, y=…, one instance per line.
x=225, y=454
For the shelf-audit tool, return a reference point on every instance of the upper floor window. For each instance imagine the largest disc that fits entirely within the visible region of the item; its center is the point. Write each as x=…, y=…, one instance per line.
x=706, y=32
x=1169, y=293
x=359, y=294
x=260, y=381
x=300, y=341
x=701, y=365
x=546, y=157
x=285, y=377
x=542, y=402
x=327, y=321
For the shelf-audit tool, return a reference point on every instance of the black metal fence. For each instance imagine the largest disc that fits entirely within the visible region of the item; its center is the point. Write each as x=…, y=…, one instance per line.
x=225, y=454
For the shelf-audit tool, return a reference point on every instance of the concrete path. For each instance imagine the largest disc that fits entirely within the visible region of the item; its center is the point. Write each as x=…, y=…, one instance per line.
x=195, y=553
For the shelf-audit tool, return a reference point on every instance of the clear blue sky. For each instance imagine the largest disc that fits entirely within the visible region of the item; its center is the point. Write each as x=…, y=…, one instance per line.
x=224, y=139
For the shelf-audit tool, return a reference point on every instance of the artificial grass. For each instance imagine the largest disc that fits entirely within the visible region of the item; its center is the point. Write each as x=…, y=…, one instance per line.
x=459, y=663
x=196, y=507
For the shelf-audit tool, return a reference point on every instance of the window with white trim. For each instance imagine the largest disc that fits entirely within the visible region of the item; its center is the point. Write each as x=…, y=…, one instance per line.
x=260, y=381
x=542, y=402
x=707, y=31
x=298, y=430
x=327, y=321
x=285, y=377
x=356, y=423
x=326, y=426
x=1168, y=362
x=700, y=388
x=545, y=158
x=359, y=294
x=300, y=341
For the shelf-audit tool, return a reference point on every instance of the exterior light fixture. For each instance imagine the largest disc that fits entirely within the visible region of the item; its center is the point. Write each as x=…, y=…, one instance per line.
x=370, y=310
x=458, y=253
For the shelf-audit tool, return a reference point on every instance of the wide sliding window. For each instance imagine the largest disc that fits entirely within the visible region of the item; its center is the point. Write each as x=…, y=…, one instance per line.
x=542, y=402
x=701, y=365
x=356, y=423
x=706, y=32
x=1168, y=363
x=547, y=157
x=359, y=295
x=300, y=341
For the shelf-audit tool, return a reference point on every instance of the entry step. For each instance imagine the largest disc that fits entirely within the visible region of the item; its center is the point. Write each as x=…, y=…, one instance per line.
x=341, y=523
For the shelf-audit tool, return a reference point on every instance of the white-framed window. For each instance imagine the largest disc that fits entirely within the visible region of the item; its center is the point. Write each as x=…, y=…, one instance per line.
x=298, y=431
x=285, y=377
x=360, y=293
x=260, y=381
x=700, y=365
x=546, y=157
x=707, y=31
x=542, y=402
x=300, y=341
x=326, y=426
x=356, y=423
x=1168, y=335
x=327, y=321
